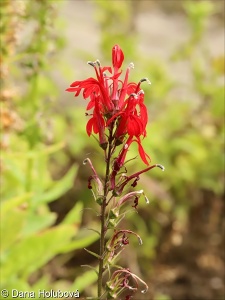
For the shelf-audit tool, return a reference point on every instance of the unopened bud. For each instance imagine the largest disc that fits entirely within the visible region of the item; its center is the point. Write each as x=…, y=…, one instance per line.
x=99, y=200
x=113, y=214
x=112, y=224
x=104, y=145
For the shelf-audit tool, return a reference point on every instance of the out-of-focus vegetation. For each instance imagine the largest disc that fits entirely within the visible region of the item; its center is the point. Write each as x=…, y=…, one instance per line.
x=42, y=147
x=30, y=237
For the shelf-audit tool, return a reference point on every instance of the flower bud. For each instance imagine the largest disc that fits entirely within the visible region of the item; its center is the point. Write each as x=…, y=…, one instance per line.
x=112, y=224
x=99, y=200
x=117, y=56
x=114, y=213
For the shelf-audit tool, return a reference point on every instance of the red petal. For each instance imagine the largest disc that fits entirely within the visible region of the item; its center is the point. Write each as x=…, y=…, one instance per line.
x=71, y=89
x=75, y=83
x=143, y=155
x=115, y=76
x=90, y=105
x=131, y=88
x=89, y=126
x=107, y=69
x=95, y=127
x=134, y=126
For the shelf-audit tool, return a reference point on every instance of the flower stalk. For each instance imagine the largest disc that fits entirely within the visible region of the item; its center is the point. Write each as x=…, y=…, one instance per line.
x=118, y=116
x=103, y=218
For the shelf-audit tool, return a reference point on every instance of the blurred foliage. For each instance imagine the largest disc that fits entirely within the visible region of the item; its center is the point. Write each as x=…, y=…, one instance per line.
x=185, y=135
x=40, y=144
x=117, y=23
x=30, y=237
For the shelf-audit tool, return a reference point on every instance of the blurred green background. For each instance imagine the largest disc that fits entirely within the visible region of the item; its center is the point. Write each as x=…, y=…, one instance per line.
x=45, y=215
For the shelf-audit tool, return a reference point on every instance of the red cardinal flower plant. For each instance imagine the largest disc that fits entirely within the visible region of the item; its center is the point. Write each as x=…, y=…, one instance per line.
x=118, y=116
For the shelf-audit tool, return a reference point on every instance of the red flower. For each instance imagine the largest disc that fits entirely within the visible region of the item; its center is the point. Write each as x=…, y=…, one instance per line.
x=91, y=87
x=121, y=157
x=116, y=104
x=119, y=189
x=119, y=161
x=132, y=118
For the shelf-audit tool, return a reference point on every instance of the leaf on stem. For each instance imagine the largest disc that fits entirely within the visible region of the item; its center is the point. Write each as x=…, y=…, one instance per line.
x=93, y=253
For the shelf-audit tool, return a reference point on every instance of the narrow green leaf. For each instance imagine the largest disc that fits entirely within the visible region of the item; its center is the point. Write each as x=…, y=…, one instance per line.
x=83, y=239
x=92, y=253
x=94, y=231
x=90, y=267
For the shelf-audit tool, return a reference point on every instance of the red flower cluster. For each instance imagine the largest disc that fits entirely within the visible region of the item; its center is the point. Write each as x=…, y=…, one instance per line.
x=116, y=104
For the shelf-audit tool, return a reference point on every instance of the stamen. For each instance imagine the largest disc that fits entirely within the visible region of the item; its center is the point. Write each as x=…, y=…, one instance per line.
x=133, y=95
x=132, y=288
x=160, y=166
x=98, y=62
x=131, y=65
x=146, y=79
x=144, y=291
x=140, y=241
x=140, y=92
x=140, y=192
x=91, y=63
x=146, y=199
x=85, y=161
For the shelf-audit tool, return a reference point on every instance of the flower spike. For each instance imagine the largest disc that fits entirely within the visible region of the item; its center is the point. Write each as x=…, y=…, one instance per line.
x=117, y=117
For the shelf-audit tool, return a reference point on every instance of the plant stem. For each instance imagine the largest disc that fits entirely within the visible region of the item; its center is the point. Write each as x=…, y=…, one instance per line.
x=102, y=216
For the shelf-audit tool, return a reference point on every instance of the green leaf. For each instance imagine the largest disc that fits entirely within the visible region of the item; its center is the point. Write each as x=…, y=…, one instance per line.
x=90, y=267
x=11, y=228
x=83, y=239
x=74, y=216
x=9, y=204
x=36, y=222
x=59, y=188
x=92, y=253
x=34, y=153
x=13, y=216
x=15, y=283
x=34, y=251
x=83, y=281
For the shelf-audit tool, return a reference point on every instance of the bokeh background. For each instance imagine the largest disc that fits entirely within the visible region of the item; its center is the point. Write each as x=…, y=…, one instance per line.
x=46, y=208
